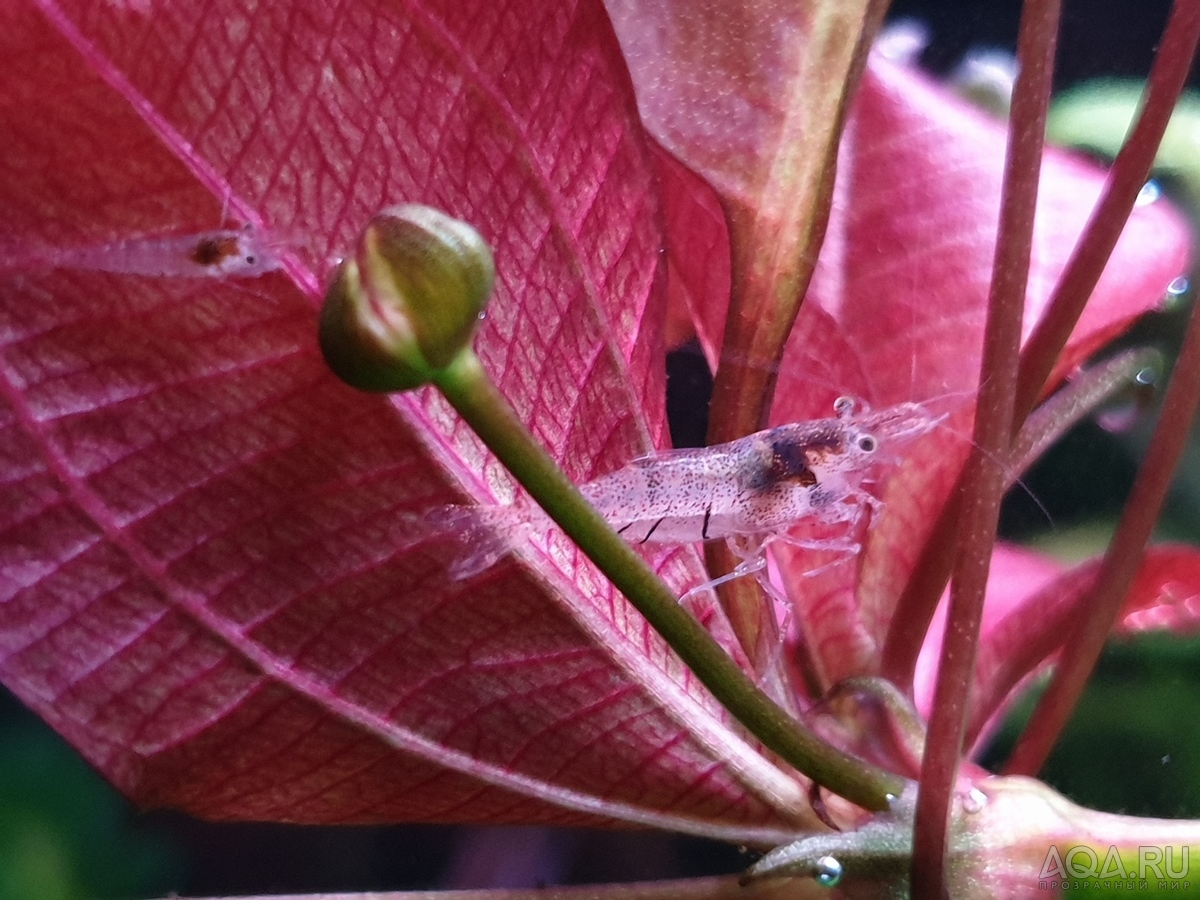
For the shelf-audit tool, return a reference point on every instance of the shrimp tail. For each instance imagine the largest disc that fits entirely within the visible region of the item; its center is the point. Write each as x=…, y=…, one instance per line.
x=485, y=534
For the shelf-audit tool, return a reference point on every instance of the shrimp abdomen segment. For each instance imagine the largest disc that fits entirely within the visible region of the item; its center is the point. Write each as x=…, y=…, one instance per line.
x=747, y=486
x=675, y=498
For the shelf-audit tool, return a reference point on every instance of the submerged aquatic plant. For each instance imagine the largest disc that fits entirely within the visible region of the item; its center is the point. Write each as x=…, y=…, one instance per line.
x=212, y=583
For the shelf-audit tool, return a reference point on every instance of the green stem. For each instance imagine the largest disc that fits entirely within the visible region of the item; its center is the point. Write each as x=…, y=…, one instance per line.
x=715, y=888
x=468, y=388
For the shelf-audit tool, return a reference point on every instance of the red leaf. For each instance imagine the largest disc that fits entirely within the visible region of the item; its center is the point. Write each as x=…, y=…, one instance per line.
x=698, y=263
x=725, y=86
x=1165, y=595
x=1031, y=604
x=896, y=313
x=202, y=587
x=1007, y=652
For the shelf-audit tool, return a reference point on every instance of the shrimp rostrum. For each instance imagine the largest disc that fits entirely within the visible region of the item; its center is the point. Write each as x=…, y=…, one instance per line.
x=751, y=488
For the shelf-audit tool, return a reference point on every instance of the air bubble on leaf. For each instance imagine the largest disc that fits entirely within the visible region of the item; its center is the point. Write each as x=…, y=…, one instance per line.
x=1150, y=193
x=828, y=871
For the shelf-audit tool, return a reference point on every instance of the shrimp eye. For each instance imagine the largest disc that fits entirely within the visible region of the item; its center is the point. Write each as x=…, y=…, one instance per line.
x=843, y=406
x=867, y=443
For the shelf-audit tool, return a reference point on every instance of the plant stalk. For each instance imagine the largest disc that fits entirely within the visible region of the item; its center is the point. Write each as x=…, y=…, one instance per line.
x=775, y=238
x=915, y=608
x=985, y=473
x=1128, y=174
x=477, y=399
x=717, y=888
x=1120, y=564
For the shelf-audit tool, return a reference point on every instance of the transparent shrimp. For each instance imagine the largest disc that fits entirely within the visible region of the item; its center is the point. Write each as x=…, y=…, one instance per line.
x=220, y=253
x=747, y=491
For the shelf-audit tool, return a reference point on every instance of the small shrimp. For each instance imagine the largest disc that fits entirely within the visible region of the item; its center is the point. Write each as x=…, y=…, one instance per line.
x=223, y=253
x=752, y=487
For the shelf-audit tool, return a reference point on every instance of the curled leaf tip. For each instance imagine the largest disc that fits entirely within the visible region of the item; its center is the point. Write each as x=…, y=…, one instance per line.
x=408, y=301
x=986, y=78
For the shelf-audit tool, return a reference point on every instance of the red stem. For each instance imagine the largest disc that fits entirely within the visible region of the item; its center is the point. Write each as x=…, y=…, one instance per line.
x=1129, y=172
x=914, y=610
x=1085, y=641
x=985, y=473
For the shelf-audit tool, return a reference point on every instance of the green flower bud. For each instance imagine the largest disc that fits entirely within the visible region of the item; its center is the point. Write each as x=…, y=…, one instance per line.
x=408, y=301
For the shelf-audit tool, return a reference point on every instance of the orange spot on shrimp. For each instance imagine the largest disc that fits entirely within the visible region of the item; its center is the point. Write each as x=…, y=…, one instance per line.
x=211, y=251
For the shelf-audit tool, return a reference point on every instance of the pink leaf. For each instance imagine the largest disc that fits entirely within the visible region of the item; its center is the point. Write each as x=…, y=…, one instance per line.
x=896, y=312
x=1166, y=593
x=725, y=86
x=1031, y=603
x=205, y=586
x=698, y=263
x=1007, y=636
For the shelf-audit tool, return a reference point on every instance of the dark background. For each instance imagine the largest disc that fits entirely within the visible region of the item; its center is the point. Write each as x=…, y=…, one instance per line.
x=65, y=834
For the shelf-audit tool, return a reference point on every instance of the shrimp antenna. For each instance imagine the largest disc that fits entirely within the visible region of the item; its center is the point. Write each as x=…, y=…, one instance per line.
x=1007, y=466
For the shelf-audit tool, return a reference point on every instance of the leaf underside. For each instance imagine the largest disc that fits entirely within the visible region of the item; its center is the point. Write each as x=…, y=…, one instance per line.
x=212, y=582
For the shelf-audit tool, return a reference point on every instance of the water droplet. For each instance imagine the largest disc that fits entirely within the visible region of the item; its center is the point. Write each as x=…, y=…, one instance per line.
x=1149, y=193
x=828, y=872
x=1177, y=292
x=974, y=801
x=1147, y=377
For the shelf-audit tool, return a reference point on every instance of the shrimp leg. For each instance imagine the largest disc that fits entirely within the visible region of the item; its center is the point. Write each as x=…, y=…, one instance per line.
x=756, y=562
